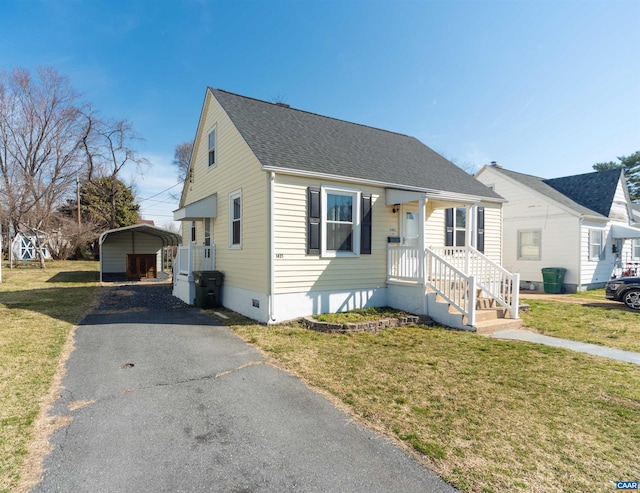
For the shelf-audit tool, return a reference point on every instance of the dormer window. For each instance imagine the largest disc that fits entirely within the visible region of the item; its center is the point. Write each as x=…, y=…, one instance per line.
x=212, y=147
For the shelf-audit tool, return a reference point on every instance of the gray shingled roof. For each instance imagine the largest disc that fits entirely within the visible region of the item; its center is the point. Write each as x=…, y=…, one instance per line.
x=594, y=191
x=587, y=194
x=295, y=140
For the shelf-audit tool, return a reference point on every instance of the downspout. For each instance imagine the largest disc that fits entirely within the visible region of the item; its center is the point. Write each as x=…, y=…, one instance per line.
x=580, y=225
x=271, y=249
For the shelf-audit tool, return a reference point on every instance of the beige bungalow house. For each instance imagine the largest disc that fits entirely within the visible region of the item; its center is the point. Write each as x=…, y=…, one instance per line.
x=306, y=214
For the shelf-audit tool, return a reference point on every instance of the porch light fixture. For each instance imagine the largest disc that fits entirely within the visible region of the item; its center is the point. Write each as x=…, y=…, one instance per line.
x=396, y=208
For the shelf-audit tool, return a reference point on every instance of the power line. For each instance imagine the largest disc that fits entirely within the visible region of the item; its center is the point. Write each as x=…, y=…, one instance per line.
x=159, y=193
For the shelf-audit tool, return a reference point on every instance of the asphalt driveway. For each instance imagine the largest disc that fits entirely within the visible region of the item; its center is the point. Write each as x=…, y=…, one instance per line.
x=163, y=399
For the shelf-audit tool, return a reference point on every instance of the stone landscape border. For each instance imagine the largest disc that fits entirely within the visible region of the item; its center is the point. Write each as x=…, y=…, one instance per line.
x=372, y=326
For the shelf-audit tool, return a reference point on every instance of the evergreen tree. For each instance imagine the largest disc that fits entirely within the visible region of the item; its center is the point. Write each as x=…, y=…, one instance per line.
x=631, y=166
x=108, y=203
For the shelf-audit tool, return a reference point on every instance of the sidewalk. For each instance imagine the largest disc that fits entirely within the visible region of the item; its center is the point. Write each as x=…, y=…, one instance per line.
x=581, y=347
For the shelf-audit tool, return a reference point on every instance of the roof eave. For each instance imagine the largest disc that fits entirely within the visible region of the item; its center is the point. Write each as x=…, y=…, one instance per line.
x=429, y=192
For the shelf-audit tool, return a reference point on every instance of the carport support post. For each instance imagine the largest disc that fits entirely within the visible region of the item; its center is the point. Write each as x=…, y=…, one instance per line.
x=101, y=266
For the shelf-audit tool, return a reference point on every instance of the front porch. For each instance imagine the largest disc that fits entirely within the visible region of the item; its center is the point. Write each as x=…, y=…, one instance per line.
x=450, y=284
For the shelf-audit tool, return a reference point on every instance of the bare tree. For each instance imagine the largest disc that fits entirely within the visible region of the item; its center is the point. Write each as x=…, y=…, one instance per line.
x=41, y=129
x=117, y=150
x=181, y=159
x=48, y=139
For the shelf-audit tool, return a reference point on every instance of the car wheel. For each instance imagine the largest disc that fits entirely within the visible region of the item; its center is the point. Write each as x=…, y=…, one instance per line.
x=632, y=299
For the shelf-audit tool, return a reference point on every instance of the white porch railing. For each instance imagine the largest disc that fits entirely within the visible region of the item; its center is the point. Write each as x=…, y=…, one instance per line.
x=403, y=263
x=192, y=258
x=496, y=282
x=458, y=288
x=455, y=273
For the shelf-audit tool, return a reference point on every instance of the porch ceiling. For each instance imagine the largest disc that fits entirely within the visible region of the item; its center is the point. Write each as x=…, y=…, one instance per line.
x=206, y=207
x=394, y=196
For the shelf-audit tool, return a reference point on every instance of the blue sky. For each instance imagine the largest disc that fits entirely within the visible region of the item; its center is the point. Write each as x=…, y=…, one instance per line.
x=542, y=87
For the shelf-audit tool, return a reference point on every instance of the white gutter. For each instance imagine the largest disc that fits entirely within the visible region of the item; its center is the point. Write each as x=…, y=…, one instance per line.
x=431, y=193
x=271, y=249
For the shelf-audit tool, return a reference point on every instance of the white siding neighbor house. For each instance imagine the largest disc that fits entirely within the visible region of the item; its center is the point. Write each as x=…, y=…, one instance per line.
x=305, y=214
x=581, y=223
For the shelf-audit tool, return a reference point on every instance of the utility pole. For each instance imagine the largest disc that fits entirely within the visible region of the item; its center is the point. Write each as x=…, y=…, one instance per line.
x=78, y=198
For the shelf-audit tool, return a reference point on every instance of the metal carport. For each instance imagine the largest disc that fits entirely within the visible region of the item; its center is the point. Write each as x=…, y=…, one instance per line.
x=116, y=245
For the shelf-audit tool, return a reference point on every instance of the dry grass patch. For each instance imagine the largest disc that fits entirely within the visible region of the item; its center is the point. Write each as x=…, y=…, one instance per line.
x=606, y=325
x=361, y=315
x=487, y=415
x=38, y=309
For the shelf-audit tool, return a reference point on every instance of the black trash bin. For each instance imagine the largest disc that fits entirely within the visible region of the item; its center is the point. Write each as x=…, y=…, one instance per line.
x=208, y=288
x=201, y=289
x=553, y=278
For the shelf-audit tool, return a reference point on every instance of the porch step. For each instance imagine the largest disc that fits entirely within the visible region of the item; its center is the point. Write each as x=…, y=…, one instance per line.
x=487, y=327
x=485, y=314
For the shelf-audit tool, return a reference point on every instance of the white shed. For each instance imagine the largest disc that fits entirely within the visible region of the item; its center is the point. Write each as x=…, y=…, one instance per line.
x=134, y=252
x=24, y=245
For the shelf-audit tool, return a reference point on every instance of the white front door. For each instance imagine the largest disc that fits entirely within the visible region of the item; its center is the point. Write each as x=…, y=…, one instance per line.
x=410, y=226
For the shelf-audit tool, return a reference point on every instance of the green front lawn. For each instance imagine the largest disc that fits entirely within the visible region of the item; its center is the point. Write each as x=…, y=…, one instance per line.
x=38, y=309
x=610, y=325
x=487, y=415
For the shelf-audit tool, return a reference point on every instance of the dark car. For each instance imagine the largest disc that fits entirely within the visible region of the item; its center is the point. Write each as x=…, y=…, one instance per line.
x=625, y=289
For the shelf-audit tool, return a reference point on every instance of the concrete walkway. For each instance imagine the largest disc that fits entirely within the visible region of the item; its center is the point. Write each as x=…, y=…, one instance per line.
x=161, y=398
x=582, y=347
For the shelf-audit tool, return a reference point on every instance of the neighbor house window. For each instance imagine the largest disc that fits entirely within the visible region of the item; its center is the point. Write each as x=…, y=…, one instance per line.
x=529, y=243
x=596, y=244
x=212, y=147
x=235, y=219
x=193, y=231
x=635, y=248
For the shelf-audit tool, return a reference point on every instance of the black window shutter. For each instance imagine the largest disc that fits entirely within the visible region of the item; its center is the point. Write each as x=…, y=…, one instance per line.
x=313, y=220
x=480, y=242
x=449, y=227
x=366, y=225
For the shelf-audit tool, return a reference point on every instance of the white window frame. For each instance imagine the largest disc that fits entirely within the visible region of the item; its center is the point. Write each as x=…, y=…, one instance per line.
x=635, y=249
x=212, y=148
x=530, y=245
x=457, y=229
x=232, y=219
x=355, y=218
x=601, y=250
x=193, y=232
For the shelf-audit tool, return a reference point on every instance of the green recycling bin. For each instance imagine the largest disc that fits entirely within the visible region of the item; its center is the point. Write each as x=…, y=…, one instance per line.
x=553, y=278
